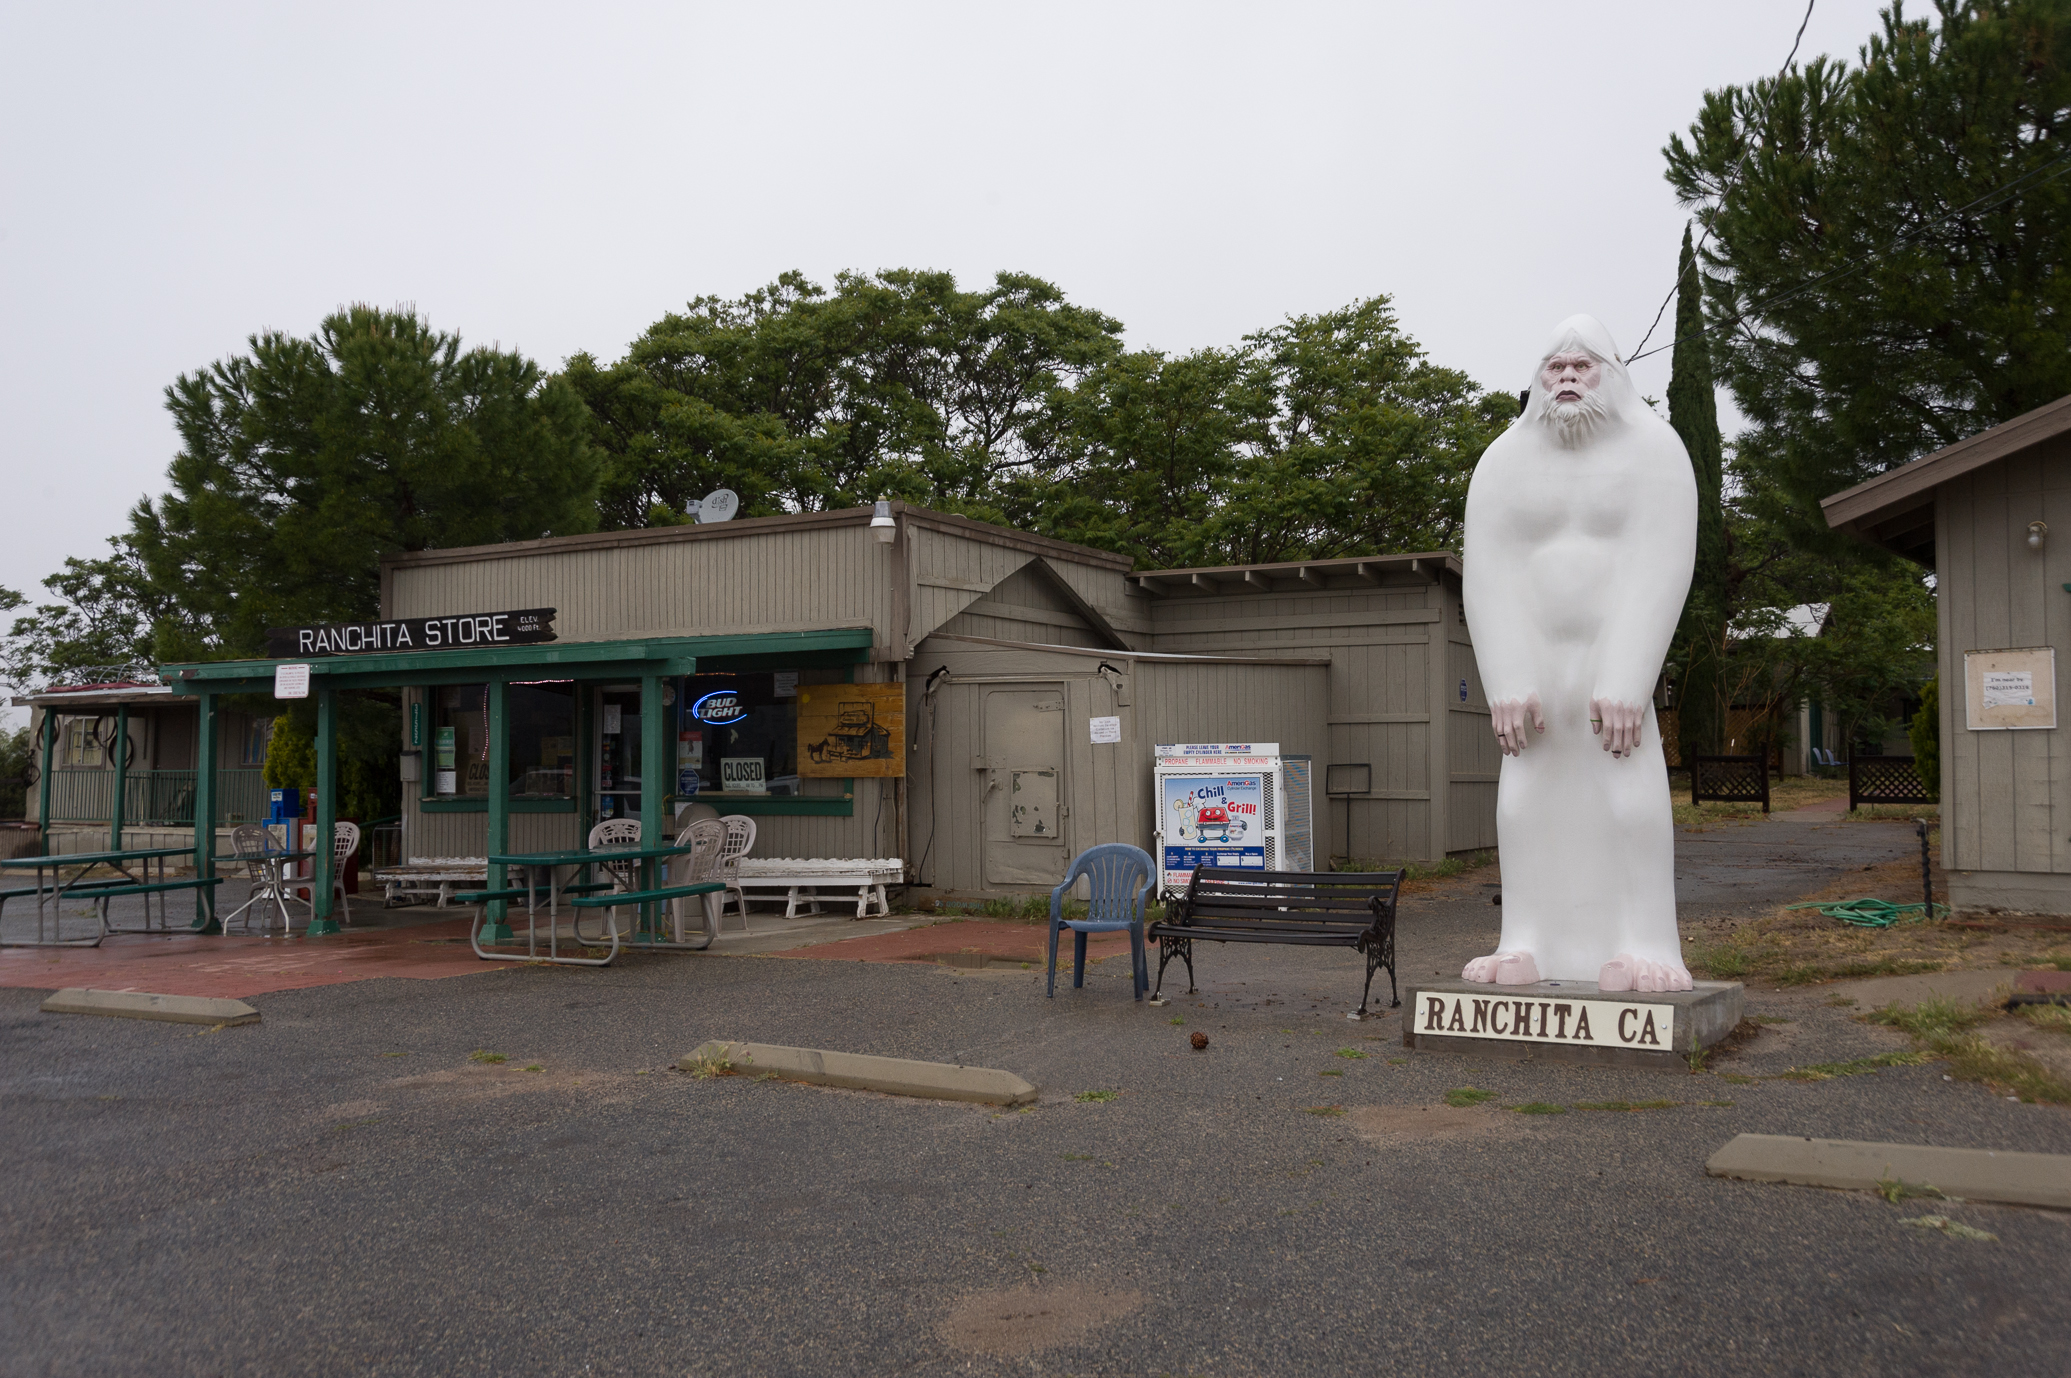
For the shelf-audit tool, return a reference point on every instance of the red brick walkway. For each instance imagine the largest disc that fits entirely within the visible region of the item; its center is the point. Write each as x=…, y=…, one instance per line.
x=233, y=967
x=1013, y=941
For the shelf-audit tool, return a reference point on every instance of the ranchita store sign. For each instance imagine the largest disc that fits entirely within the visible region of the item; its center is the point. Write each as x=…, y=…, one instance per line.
x=413, y=634
x=1539, y=1019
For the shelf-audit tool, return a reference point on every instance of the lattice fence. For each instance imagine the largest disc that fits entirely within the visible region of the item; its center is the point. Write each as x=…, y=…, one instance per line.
x=1885, y=780
x=1730, y=780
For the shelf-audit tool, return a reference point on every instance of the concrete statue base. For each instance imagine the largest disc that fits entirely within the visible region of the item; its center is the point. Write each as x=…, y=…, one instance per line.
x=1570, y=1021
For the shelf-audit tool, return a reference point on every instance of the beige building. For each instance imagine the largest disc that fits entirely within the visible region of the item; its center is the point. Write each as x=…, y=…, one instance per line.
x=1027, y=665
x=1010, y=645
x=1991, y=516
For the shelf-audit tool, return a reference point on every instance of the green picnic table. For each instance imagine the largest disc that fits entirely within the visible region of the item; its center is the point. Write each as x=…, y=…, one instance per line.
x=133, y=866
x=539, y=868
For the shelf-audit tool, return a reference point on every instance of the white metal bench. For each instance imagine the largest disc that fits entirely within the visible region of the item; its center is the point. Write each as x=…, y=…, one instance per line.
x=801, y=879
x=433, y=877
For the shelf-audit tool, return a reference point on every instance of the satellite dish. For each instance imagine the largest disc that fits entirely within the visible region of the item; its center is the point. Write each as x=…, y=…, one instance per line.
x=719, y=505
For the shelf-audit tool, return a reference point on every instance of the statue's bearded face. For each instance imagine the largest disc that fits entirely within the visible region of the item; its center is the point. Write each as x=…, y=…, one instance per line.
x=1575, y=408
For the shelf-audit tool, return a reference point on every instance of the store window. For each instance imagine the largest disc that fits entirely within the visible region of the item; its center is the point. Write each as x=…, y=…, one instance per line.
x=79, y=746
x=258, y=734
x=738, y=733
x=541, y=724
x=542, y=727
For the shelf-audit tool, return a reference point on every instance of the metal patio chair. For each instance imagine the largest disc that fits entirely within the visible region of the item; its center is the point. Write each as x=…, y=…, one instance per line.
x=252, y=848
x=1117, y=878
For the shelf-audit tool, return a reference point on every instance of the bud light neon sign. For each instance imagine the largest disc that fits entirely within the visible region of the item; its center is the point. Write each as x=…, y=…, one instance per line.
x=719, y=706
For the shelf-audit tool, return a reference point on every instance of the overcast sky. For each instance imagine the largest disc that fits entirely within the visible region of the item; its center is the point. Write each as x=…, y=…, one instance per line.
x=174, y=178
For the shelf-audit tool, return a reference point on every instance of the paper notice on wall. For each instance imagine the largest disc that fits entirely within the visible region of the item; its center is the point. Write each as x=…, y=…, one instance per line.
x=1106, y=730
x=291, y=681
x=2012, y=689
x=612, y=719
x=784, y=684
x=2009, y=688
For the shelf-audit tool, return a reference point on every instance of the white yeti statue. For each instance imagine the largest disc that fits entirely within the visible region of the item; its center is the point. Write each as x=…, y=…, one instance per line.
x=1581, y=532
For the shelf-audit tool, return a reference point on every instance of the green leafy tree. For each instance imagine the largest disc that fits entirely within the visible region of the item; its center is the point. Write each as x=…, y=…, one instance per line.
x=894, y=384
x=1701, y=641
x=1885, y=273
x=1326, y=435
x=307, y=460
x=1925, y=733
x=97, y=628
x=17, y=758
x=1147, y=451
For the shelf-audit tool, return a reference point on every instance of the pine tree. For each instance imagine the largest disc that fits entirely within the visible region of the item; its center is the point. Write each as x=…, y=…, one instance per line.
x=1694, y=412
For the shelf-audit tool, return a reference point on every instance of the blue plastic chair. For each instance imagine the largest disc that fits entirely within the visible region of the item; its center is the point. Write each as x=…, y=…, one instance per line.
x=1118, y=876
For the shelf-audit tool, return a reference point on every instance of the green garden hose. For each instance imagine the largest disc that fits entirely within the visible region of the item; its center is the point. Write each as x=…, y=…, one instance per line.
x=1873, y=913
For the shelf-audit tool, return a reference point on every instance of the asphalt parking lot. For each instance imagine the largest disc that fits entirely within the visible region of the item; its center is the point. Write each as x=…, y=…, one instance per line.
x=350, y=1186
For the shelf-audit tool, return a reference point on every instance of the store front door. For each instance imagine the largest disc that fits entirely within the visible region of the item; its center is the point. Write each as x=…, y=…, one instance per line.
x=616, y=750
x=1024, y=787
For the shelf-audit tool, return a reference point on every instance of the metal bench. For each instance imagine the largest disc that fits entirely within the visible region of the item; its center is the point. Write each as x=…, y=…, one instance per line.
x=1313, y=909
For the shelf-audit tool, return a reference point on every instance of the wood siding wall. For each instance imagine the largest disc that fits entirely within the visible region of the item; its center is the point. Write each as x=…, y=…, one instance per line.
x=1106, y=787
x=773, y=581
x=1387, y=684
x=2006, y=796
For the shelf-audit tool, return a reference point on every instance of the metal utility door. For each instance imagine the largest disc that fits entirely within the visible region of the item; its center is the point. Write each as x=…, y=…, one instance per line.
x=1024, y=797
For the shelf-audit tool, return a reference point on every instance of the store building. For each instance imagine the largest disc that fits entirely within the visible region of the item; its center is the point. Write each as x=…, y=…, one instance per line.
x=884, y=686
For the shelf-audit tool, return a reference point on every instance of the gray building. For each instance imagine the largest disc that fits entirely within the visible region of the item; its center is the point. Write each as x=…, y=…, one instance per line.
x=1009, y=647
x=1991, y=516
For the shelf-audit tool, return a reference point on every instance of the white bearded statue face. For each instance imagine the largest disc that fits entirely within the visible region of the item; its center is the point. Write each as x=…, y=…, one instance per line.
x=1575, y=407
x=1581, y=386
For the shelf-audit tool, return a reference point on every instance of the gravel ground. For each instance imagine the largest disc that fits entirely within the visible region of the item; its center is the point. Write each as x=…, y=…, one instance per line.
x=342, y=1188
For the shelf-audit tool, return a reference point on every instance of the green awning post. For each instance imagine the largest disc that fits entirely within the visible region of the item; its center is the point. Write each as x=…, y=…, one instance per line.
x=655, y=786
x=121, y=777
x=494, y=927
x=50, y=743
x=321, y=922
x=205, y=811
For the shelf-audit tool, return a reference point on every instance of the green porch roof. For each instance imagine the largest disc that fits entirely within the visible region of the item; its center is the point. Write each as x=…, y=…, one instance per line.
x=662, y=655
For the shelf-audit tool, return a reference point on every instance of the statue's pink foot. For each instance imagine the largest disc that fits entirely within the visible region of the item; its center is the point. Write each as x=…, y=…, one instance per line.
x=1503, y=968
x=1627, y=972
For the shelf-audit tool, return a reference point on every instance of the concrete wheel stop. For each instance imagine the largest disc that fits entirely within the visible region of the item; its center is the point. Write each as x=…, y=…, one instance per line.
x=1975, y=1174
x=895, y=1076
x=1570, y=1021
x=136, y=1004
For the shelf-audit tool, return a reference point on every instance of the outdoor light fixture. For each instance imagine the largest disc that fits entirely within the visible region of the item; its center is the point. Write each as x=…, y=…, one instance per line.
x=2038, y=532
x=881, y=524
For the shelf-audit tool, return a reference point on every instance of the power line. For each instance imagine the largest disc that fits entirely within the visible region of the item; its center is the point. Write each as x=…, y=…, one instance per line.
x=1731, y=179
x=2006, y=191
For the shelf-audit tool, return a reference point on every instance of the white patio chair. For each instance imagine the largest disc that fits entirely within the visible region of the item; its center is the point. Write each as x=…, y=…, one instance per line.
x=740, y=840
x=623, y=875
x=707, y=838
x=345, y=840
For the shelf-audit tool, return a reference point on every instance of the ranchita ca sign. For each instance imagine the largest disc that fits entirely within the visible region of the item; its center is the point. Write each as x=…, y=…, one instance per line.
x=413, y=634
x=1539, y=1019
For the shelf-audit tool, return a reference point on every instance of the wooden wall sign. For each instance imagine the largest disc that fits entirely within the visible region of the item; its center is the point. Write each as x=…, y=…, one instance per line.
x=851, y=730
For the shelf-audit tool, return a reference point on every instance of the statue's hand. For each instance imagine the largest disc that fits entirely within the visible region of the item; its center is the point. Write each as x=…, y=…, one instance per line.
x=1618, y=724
x=1509, y=717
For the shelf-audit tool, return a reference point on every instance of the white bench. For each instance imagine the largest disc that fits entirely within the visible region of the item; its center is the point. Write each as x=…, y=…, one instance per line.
x=800, y=879
x=426, y=877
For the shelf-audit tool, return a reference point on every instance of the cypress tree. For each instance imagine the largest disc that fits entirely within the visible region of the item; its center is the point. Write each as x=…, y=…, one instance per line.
x=1693, y=410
